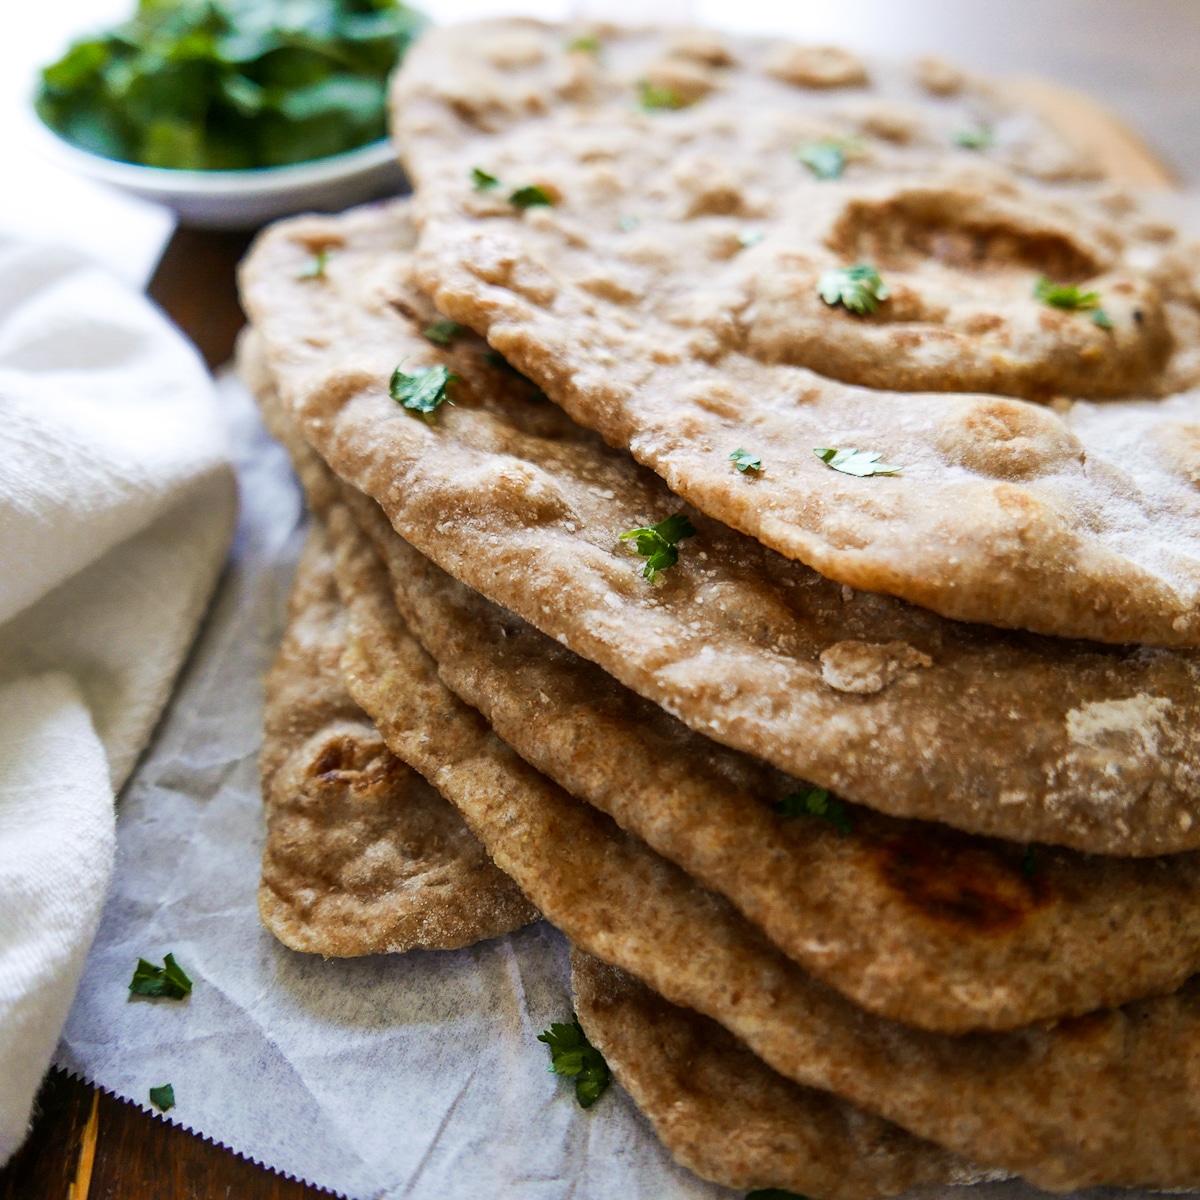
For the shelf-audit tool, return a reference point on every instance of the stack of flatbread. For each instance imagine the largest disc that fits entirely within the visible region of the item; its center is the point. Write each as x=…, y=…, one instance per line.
x=873, y=812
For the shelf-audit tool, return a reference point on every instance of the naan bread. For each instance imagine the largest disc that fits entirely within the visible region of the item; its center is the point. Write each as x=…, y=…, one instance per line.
x=700, y=331
x=362, y=855
x=1106, y=1098
x=1024, y=738
x=913, y=922
x=728, y=1117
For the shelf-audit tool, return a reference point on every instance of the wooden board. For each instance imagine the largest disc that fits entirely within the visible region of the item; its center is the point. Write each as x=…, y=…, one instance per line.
x=87, y=1145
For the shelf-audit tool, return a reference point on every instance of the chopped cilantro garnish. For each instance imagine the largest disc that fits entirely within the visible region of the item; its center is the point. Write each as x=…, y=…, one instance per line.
x=530, y=196
x=422, y=389
x=163, y=1097
x=745, y=461
x=573, y=1055
x=750, y=237
x=658, y=544
x=1101, y=318
x=1065, y=296
x=654, y=98
x=482, y=181
x=859, y=289
x=316, y=265
x=826, y=159
x=586, y=43
x=973, y=137
x=443, y=332
x=167, y=980
x=851, y=461
x=815, y=802
x=1029, y=863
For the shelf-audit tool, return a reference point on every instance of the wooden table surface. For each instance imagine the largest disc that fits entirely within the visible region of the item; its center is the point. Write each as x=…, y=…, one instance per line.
x=88, y=1145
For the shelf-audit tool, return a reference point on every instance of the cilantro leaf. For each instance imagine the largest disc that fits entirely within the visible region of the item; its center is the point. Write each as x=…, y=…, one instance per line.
x=815, y=802
x=655, y=98
x=482, y=181
x=571, y=1054
x=973, y=137
x=422, y=389
x=163, y=1097
x=443, y=332
x=750, y=237
x=745, y=461
x=586, y=43
x=168, y=980
x=658, y=544
x=851, y=461
x=530, y=196
x=1029, y=863
x=1066, y=296
x=316, y=267
x=859, y=289
x=1101, y=318
x=826, y=159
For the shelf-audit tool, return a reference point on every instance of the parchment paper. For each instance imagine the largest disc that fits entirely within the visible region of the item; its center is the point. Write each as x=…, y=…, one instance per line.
x=414, y=1075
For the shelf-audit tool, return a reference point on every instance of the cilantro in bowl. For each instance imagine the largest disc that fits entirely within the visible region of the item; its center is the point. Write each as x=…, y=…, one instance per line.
x=230, y=84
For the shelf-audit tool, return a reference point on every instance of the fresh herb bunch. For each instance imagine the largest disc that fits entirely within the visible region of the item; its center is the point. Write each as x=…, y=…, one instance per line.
x=230, y=84
x=573, y=1055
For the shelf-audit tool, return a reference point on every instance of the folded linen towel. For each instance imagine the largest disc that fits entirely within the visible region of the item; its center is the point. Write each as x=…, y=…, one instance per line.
x=117, y=504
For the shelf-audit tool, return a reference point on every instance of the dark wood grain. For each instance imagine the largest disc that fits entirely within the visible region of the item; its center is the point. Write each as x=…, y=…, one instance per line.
x=196, y=286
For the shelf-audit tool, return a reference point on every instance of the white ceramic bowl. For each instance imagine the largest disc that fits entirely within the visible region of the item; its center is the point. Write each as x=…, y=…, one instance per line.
x=243, y=199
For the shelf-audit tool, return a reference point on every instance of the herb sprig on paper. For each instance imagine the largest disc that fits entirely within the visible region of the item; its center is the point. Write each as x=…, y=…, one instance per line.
x=852, y=461
x=815, y=802
x=168, y=980
x=572, y=1055
x=658, y=544
x=859, y=289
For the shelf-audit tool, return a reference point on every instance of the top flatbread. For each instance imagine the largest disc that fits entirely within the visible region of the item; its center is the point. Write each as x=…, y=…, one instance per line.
x=700, y=332
x=1024, y=738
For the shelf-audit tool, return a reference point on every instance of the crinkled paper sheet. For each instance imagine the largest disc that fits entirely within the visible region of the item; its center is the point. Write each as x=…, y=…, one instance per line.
x=414, y=1075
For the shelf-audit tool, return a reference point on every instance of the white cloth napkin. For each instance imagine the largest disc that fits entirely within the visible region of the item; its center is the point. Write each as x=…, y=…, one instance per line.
x=117, y=505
